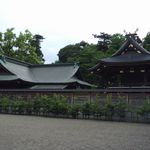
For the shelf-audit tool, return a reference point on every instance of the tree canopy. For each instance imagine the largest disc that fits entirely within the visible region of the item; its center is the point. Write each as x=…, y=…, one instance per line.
x=116, y=41
x=87, y=55
x=25, y=46
x=146, y=42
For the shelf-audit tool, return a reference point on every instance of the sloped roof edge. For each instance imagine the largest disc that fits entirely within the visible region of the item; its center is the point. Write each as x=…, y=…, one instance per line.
x=49, y=86
x=16, y=61
x=116, y=55
x=74, y=79
x=8, y=77
x=26, y=72
x=130, y=40
x=52, y=65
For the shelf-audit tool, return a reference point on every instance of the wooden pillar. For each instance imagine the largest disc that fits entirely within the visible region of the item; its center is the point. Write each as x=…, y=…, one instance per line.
x=73, y=97
x=127, y=98
x=90, y=96
x=118, y=80
x=145, y=79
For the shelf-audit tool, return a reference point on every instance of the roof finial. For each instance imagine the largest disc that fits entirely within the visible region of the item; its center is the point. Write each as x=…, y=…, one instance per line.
x=136, y=30
x=130, y=33
x=133, y=36
x=125, y=32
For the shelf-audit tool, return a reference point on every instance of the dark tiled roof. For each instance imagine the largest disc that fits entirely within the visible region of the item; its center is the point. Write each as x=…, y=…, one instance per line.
x=126, y=45
x=129, y=53
x=127, y=59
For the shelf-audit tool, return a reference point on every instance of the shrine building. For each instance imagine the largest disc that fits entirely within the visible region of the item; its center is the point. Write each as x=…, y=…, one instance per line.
x=127, y=67
x=15, y=74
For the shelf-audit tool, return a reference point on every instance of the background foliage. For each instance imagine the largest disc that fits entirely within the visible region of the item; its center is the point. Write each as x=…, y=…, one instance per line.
x=25, y=46
x=88, y=55
x=57, y=106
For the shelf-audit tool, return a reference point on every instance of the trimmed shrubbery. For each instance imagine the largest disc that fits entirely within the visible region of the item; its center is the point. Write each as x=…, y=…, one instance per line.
x=144, y=110
x=57, y=105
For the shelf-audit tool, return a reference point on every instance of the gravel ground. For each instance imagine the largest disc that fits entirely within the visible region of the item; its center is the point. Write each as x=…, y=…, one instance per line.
x=39, y=133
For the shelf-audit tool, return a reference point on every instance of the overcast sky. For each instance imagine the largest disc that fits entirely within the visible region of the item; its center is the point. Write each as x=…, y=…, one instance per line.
x=64, y=22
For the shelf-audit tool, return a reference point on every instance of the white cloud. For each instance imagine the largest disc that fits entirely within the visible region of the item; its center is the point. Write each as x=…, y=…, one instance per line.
x=63, y=22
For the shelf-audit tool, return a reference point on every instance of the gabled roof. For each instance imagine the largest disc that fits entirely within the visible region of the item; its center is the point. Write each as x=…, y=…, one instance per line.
x=127, y=43
x=17, y=68
x=126, y=59
x=41, y=74
x=58, y=73
x=128, y=54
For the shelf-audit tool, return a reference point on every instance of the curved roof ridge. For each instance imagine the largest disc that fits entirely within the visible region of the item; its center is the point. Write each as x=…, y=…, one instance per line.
x=57, y=73
x=75, y=70
x=121, y=49
x=142, y=56
x=129, y=41
x=18, y=69
x=75, y=79
x=51, y=65
x=16, y=61
x=42, y=74
x=143, y=50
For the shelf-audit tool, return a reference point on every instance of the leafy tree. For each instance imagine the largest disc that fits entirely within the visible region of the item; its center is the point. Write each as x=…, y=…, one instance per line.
x=36, y=42
x=145, y=108
x=104, y=40
x=86, y=109
x=69, y=51
x=20, y=47
x=109, y=107
x=120, y=107
x=59, y=105
x=7, y=42
x=146, y=42
x=116, y=41
x=37, y=104
x=97, y=109
x=86, y=55
x=4, y=104
x=74, y=110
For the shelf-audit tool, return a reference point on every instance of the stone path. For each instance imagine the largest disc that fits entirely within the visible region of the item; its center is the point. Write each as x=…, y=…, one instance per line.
x=39, y=133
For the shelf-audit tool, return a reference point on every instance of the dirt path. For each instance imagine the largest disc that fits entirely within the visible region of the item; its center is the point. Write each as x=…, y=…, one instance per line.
x=39, y=133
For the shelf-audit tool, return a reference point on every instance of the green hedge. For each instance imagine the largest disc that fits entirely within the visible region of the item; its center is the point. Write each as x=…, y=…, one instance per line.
x=57, y=105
